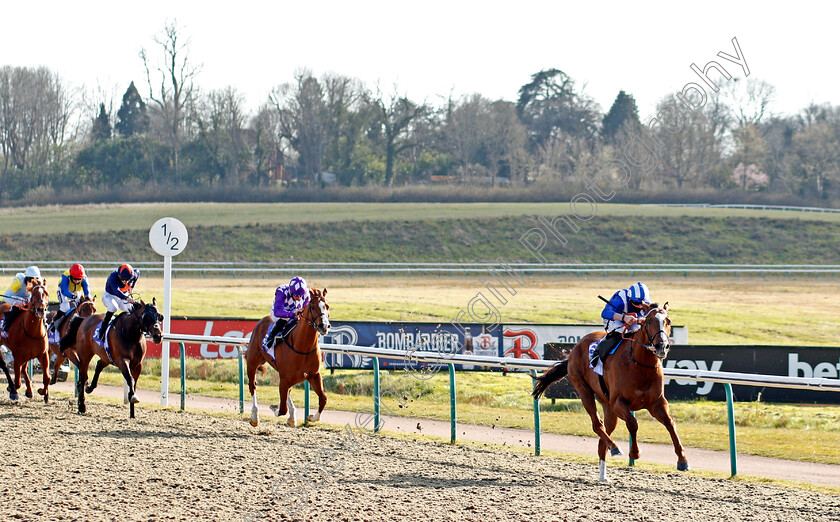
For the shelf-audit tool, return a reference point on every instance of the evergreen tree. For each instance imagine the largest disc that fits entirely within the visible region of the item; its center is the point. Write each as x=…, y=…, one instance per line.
x=132, y=118
x=101, y=125
x=623, y=114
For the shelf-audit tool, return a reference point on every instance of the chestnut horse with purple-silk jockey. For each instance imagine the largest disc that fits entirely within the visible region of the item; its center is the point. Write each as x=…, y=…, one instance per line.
x=85, y=308
x=127, y=343
x=633, y=379
x=28, y=340
x=296, y=359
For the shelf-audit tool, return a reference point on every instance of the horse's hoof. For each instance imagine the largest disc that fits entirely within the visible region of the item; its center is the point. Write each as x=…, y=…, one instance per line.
x=42, y=391
x=604, y=480
x=275, y=409
x=82, y=408
x=313, y=418
x=133, y=399
x=616, y=452
x=28, y=395
x=683, y=466
x=254, y=423
x=14, y=397
x=291, y=423
x=89, y=390
x=635, y=456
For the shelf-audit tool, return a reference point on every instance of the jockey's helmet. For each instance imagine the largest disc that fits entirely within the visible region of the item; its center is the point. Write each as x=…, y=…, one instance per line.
x=32, y=272
x=77, y=271
x=639, y=293
x=298, y=286
x=125, y=272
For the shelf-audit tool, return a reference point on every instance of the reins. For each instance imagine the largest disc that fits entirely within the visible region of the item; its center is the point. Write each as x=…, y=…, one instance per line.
x=649, y=346
x=288, y=339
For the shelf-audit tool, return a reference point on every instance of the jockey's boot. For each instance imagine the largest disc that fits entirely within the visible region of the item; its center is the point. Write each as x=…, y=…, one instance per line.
x=272, y=335
x=10, y=316
x=56, y=320
x=105, y=321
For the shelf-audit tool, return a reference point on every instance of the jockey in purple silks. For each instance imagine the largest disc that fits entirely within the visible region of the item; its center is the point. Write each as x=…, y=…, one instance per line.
x=289, y=302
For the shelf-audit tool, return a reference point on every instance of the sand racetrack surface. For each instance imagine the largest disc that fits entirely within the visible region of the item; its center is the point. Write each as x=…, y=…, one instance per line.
x=169, y=465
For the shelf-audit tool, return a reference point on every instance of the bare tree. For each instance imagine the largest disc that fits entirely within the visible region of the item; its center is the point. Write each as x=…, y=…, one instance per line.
x=173, y=89
x=302, y=112
x=395, y=115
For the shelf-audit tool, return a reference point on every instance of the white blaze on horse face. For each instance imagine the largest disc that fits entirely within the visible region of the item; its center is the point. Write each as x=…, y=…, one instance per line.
x=325, y=316
x=662, y=318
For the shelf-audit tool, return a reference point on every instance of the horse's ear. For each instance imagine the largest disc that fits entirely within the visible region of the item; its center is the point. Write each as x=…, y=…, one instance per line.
x=154, y=301
x=665, y=306
x=325, y=292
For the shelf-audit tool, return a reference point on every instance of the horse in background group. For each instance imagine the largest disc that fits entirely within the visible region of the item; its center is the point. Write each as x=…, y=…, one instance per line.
x=126, y=347
x=28, y=340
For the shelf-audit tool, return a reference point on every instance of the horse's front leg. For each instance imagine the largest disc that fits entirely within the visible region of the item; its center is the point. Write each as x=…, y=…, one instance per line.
x=318, y=386
x=129, y=380
x=44, y=359
x=59, y=360
x=286, y=405
x=21, y=370
x=660, y=412
x=100, y=365
x=621, y=409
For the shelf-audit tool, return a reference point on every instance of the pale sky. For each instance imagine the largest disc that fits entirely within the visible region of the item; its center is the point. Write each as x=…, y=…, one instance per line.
x=432, y=48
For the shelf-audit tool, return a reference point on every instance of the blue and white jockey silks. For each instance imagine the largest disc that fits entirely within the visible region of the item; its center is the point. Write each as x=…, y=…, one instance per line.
x=622, y=302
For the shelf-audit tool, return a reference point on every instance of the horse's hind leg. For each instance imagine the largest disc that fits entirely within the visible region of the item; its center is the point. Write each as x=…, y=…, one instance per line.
x=44, y=359
x=286, y=405
x=100, y=365
x=587, y=397
x=80, y=386
x=660, y=412
x=318, y=386
x=252, y=387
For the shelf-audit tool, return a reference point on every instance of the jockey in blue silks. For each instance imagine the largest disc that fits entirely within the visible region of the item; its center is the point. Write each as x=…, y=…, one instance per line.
x=621, y=315
x=289, y=302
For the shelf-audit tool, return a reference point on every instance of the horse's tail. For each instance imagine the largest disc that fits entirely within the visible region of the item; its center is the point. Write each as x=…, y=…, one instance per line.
x=69, y=338
x=555, y=373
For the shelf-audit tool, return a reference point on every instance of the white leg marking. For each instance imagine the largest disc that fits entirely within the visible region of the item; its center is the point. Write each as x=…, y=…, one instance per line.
x=602, y=472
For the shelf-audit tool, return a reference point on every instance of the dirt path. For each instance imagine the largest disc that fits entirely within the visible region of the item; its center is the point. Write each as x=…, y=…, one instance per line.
x=811, y=473
x=168, y=465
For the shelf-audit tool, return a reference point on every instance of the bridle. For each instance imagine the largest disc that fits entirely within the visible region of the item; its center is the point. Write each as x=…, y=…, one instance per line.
x=39, y=311
x=312, y=318
x=650, y=338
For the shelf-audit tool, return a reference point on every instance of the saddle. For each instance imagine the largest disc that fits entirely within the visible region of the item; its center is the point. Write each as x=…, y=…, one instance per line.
x=606, y=347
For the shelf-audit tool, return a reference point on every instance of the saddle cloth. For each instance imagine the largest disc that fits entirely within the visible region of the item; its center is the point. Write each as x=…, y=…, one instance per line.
x=103, y=343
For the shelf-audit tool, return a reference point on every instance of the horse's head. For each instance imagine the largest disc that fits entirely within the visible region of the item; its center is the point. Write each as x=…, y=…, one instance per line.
x=657, y=330
x=150, y=320
x=86, y=306
x=38, y=301
x=318, y=311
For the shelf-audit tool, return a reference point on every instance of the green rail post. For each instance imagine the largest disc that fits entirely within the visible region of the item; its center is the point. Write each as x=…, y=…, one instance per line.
x=76, y=380
x=241, y=383
x=730, y=411
x=453, y=413
x=183, y=376
x=631, y=462
x=29, y=370
x=376, y=395
x=536, y=419
x=305, y=402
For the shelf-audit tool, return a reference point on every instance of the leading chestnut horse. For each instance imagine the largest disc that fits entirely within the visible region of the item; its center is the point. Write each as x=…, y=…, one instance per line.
x=296, y=358
x=127, y=347
x=85, y=308
x=633, y=379
x=28, y=340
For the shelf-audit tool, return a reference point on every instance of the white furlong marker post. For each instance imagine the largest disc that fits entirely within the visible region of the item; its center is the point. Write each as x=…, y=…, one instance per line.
x=168, y=237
